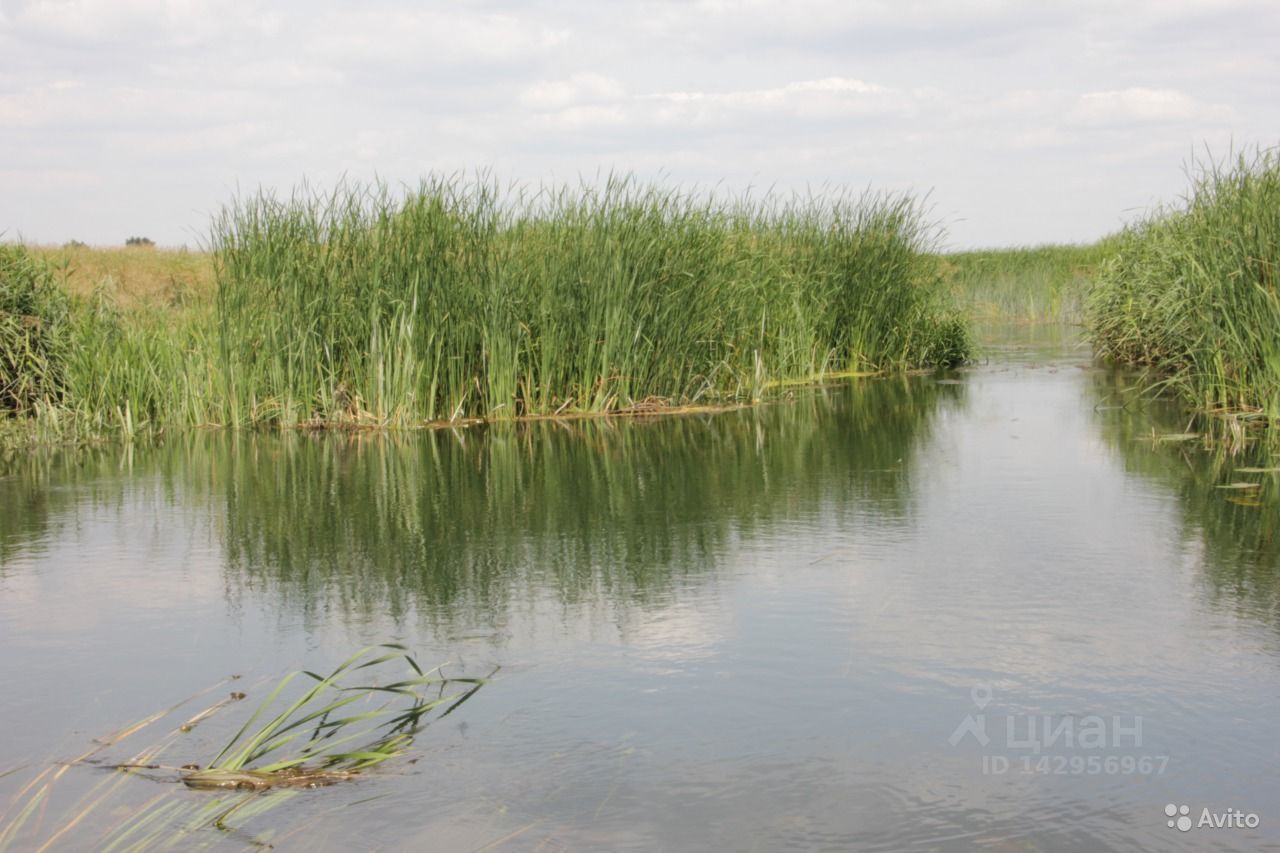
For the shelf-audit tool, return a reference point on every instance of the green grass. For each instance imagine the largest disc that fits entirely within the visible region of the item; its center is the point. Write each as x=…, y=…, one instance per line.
x=361, y=307
x=34, y=331
x=459, y=300
x=80, y=366
x=320, y=727
x=1191, y=291
x=1040, y=284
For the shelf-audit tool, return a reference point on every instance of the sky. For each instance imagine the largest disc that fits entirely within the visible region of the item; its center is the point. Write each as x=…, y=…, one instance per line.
x=1020, y=122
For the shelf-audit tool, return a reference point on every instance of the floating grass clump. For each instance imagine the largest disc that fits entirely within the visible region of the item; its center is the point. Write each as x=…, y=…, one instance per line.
x=1191, y=291
x=332, y=731
x=319, y=737
x=459, y=300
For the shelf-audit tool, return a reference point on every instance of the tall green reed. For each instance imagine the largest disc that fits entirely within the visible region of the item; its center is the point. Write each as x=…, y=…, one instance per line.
x=458, y=299
x=1192, y=291
x=34, y=315
x=363, y=306
x=73, y=368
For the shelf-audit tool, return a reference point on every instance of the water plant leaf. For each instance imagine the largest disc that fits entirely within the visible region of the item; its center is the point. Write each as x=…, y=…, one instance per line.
x=310, y=729
x=317, y=738
x=1177, y=436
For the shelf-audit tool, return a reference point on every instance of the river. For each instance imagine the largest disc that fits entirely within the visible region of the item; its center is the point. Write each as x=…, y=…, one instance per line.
x=983, y=609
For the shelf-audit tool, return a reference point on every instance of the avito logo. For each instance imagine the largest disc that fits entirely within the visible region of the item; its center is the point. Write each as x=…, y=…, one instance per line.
x=1180, y=818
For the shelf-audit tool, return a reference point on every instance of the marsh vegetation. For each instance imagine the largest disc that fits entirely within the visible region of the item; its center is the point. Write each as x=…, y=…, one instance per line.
x=692, y=615
x=1034, y=284
x=457, y=300
x=461, y=300
x=1191, y=291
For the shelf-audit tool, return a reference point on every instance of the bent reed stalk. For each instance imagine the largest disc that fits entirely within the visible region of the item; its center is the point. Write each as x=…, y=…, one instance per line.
x=459, y=300
x=1192, y=291
x=366, y=712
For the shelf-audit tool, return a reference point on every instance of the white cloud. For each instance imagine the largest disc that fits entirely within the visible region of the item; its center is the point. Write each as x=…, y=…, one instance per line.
x=588, y=100
x=835, y=88
x=72, y=104
x=1042, y=137
x=178, y=22
x=577, y=89
x=376, y=36
x=823, y=17
x=585, y=116
x=282, y=73
x=830, y=97
x=1138, y=105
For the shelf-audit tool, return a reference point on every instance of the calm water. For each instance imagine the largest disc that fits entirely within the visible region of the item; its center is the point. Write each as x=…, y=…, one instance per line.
x=791, y=627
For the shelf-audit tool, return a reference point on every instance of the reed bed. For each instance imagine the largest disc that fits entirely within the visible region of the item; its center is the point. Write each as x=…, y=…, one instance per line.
x=79, y=366
x=1191, y=291
x=1036, y=284
x=362, y=307
x=460, y=300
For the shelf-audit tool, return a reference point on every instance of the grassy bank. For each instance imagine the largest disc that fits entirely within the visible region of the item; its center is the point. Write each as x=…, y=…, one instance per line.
x=1191, y=291
x=1039, y=284
x=360, y=307
x=80, y=361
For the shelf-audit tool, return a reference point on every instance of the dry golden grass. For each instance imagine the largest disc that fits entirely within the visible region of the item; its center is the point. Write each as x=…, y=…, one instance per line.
x=137, y=275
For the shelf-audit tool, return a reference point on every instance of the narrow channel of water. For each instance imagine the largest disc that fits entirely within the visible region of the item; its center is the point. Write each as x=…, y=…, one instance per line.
x=983, y=609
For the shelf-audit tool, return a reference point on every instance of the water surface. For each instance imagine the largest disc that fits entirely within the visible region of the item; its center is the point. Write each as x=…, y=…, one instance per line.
x=768, y=629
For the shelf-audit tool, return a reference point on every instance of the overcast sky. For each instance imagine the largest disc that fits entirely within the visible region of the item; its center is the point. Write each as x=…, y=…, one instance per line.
x=1026, y=122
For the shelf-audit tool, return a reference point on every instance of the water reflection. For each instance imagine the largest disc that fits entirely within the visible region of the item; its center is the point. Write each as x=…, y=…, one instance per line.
x=588, y=509
x=45, y=495
x=462, y=520
x=1232, y=534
